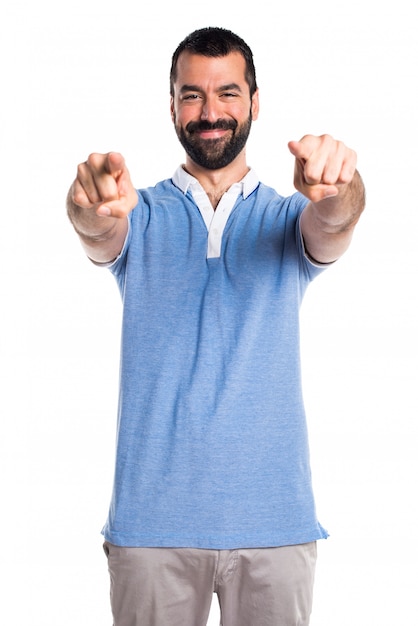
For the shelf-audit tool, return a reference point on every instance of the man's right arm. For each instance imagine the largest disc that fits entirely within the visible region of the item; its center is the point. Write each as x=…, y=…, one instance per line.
x=98, y=203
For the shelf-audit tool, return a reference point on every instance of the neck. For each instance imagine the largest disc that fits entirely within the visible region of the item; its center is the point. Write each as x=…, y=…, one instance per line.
x=217, y=182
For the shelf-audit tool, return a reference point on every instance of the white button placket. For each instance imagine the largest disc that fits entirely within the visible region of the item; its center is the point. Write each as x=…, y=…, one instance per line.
x=218, y=223
x=216, y=220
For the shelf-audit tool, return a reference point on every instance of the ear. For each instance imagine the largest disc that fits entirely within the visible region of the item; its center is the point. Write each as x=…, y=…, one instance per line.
x=172, y=112
x=255, y=105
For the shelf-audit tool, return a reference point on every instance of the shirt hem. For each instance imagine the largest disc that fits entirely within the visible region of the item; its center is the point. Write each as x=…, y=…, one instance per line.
x=213, y=543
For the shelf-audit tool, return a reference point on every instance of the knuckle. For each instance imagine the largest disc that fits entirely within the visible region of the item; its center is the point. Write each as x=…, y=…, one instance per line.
x=327, y=138
x=313, y=174
x=346, y=176
x=81, y=170
x=341, y=147
x=95, y=161
x=79, y=198
x=329, y=178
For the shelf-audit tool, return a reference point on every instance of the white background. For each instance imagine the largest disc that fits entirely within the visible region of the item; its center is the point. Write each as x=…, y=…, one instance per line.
x=86, y=76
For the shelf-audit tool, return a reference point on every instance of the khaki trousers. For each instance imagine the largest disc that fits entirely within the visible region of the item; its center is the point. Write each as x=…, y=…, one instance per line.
x=175, y=587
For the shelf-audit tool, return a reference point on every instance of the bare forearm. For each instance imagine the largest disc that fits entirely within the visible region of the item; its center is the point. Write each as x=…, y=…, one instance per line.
x=325, y=173
x=327, y=225
x=340, y=213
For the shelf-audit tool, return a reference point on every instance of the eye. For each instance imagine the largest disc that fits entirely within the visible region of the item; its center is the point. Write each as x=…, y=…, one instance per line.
x=190, y=96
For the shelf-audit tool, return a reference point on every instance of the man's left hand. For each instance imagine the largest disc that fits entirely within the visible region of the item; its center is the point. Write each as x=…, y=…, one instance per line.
x=322, y=165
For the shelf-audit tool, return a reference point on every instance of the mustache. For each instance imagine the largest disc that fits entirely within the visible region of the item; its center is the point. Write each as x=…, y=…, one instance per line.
x=220, y=124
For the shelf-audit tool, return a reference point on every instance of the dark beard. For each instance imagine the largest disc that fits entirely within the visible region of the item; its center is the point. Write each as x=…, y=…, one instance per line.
x=214, y=154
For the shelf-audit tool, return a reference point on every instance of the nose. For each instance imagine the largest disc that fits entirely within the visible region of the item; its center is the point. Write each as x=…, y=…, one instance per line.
x=210, y=109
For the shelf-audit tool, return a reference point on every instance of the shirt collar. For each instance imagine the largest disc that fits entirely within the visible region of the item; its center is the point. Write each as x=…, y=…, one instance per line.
x=183, y=180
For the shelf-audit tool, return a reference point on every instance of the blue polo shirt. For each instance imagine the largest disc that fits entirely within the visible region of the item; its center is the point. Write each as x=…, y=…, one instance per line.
x=212, y=446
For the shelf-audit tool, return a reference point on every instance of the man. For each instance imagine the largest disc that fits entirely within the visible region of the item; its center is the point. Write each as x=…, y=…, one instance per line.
x=212, y=488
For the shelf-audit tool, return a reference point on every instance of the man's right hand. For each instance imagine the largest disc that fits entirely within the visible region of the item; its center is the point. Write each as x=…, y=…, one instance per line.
x=101, y=195
x=103, y=183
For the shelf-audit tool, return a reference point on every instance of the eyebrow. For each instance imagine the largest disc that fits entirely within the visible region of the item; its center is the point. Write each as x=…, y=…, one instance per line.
x=228, y=87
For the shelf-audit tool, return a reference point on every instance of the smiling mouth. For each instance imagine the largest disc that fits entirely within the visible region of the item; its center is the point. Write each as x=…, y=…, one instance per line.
x=216, y=133
x=211, y=131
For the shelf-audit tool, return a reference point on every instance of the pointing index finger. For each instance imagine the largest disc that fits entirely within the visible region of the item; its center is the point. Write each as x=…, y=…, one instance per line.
x=300, y=150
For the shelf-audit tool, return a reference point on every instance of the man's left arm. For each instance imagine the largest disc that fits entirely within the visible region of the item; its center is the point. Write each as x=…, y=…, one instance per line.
x=326, y=174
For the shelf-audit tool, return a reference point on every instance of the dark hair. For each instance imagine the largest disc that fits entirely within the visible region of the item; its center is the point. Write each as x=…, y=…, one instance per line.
x=215, y=42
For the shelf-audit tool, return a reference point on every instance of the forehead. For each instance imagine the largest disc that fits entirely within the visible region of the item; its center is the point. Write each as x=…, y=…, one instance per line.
x=206, y=72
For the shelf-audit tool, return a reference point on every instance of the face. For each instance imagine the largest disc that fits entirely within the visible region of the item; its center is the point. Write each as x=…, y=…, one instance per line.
x=211, y=108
